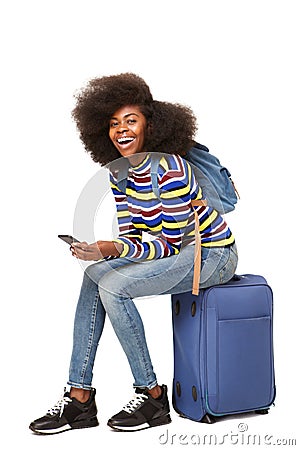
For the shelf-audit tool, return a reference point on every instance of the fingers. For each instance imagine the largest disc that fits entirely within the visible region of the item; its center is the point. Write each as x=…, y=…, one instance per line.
x=79, y=249
x=81, y=246
x=84, y=251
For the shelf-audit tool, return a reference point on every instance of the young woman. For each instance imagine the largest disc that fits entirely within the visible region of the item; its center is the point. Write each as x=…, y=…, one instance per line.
x=117, y=117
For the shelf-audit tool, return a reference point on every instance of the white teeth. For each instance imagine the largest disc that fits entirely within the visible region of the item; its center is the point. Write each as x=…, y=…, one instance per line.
x=125, y=139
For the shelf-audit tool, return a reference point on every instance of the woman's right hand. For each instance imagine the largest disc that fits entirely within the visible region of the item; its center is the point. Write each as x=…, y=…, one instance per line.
x=85, y=251
x=95, y=251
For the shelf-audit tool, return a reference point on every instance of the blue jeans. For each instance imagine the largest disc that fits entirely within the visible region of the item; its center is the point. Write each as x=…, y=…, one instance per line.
x=109, y=287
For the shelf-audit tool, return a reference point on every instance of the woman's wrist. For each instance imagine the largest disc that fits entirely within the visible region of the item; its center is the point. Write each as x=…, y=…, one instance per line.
x=110, y=248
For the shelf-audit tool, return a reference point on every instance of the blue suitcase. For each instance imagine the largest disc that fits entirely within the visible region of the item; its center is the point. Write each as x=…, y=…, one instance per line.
x=223, y=349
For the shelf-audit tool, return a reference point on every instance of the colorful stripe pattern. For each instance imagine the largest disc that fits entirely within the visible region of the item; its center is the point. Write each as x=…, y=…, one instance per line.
x=170, y=219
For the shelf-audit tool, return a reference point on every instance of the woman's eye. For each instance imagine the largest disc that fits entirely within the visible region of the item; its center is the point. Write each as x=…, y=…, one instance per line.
x=114, y=124
x=130, y=121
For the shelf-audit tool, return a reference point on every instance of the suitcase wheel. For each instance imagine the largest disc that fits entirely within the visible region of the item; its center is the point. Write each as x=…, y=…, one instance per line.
x=177, y=307
x=208, y=419
x=262, y=411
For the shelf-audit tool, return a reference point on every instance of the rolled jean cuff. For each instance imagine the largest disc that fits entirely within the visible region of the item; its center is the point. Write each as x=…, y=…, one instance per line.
x=149, y=386
x=79, y=386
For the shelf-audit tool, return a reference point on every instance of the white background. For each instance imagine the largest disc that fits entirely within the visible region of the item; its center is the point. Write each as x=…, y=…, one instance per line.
x=236, y=63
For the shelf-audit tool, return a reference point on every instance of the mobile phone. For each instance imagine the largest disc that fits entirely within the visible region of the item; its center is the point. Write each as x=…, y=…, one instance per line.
x=68, y=238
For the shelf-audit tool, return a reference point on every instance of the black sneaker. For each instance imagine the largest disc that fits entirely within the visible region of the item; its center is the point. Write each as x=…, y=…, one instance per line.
x=67, y=414
x=142, y=412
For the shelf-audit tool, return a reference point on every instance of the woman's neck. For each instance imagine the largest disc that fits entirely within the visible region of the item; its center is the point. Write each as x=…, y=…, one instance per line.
x=136, y=159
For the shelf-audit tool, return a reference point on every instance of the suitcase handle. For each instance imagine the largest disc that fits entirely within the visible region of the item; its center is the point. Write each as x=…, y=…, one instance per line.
x=236, y=277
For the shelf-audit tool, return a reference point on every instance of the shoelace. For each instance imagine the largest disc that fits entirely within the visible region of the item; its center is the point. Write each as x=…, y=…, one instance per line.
x=59, y=406
x=133, y=404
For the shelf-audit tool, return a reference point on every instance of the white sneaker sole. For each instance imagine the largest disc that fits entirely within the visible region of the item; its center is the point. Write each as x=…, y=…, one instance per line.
x=89, y=423
x=143, y=426
x=53, y=431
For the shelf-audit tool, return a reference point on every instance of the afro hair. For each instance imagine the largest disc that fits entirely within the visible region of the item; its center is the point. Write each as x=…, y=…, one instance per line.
x=172, y=126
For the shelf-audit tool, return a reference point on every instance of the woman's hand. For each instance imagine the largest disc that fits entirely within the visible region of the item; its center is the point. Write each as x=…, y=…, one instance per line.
x=85, y=251
x=95, y=251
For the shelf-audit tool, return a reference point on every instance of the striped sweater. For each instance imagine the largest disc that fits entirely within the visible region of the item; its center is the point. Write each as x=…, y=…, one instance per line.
x=170, y=219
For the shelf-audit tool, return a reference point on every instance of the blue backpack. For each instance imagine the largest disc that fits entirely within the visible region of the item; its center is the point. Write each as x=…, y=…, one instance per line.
x=214, y=179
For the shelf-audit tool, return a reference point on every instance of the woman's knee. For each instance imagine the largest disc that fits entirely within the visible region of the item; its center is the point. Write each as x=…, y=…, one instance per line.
x=90, y=274
x=94, y=272
x=109, y=285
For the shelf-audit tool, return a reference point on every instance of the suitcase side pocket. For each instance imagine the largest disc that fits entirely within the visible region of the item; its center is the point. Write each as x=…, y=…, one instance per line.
x=240, y=376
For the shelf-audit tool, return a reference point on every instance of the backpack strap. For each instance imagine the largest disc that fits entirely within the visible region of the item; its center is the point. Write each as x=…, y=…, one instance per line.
x=121, y=166
x=122, y=173
x=155, y=158
x=197, y=254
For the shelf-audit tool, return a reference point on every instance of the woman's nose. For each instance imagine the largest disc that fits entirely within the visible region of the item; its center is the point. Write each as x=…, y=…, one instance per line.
x=122, y=127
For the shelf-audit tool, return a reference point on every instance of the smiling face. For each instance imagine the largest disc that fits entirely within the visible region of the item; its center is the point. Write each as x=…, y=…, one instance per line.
x=127, y=130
